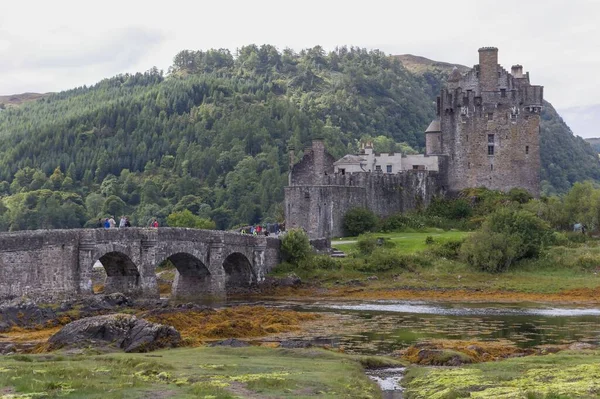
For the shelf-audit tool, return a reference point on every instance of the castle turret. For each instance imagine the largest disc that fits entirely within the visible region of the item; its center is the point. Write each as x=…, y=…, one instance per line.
x=488, y=68
x=433, y=138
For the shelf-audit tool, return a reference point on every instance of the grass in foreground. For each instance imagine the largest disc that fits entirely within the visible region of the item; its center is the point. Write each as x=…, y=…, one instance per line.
x=556, y=376
x=216, y=373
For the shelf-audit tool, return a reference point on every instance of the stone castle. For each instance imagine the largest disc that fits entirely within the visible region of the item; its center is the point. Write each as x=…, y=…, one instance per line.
x=486, y=134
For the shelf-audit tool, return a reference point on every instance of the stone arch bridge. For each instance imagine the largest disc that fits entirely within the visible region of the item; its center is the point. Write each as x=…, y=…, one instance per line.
x=54, y=264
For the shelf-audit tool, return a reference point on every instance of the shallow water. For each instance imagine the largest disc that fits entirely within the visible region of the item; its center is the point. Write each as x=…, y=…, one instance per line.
x=382, y=327
x=389, y=381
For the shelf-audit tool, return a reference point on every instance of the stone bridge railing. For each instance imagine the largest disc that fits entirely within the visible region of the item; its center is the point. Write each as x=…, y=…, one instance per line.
x=58, y=263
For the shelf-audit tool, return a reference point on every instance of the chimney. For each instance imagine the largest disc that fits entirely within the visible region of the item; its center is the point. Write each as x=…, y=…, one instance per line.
x=488, y=68
x=517, y=71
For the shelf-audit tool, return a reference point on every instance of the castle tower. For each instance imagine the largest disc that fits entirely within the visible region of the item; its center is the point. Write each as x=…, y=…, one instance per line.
x=489, y=124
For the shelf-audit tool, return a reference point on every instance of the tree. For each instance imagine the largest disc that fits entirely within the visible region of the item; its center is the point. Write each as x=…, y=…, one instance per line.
x=186, y=218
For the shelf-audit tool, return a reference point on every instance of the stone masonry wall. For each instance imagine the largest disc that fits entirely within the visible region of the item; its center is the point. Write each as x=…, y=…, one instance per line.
x=58, y=264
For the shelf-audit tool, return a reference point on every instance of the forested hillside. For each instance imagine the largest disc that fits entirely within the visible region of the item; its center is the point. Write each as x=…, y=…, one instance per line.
x=566, y=158
x=211, y=137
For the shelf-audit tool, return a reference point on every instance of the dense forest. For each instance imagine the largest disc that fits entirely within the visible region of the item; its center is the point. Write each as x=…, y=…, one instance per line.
x=211, y=136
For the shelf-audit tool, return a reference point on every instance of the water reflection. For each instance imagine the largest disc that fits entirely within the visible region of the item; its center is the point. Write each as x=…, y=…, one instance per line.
x=385, y=326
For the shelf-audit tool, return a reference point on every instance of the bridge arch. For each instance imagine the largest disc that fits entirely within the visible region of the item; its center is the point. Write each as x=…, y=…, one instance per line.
x=122, y=275
x=192, y=279
x=239, y=272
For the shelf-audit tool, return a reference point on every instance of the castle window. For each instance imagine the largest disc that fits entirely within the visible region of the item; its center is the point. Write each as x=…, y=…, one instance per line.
x=490, y=116
x=526, y=149
x=342, y=171
x=306, y=194
x=468, y=165
x=492, y=167
x=491, y=149
x=377, y=168
x=467, y=138
x=502, y=92
x=389, y=168
x=490, y=139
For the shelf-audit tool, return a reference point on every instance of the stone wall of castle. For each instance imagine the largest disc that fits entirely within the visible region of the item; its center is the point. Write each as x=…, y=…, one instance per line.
x=320, y=209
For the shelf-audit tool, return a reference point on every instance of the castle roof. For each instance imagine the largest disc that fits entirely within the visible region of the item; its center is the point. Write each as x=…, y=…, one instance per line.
x=434, y=127
x=455, y=76
x=350, y=159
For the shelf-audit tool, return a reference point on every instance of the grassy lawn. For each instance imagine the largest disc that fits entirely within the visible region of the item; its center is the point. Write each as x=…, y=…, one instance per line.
x=205, y=372
x=406, y=242
x=555, y=376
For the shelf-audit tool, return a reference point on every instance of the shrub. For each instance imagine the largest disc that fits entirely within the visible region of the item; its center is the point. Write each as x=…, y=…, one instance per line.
x=490, y=251
x=429, y=240
x=295, y=246
x=507, y=235
x=519, y=195
x=532, y=232
x=449, y=249
x=382, y=259
x=449, y=208
x=359, y=220
x=366, y=243
x=319, y=262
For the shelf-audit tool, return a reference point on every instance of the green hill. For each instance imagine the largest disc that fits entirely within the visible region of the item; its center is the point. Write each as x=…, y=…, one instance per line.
x=212, y=135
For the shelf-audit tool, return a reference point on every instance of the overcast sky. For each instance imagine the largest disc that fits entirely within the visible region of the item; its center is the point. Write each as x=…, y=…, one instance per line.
x=59, y=44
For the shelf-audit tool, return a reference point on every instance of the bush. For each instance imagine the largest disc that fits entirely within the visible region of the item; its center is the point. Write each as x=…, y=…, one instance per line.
x=449, y=249
x=382, y=259
x=366, y=244
x=319, y=262
x=489, y=251
x=429, y=240
x=520, y=195
x=533, y=232
x=507, y=235
x=359, y=220
x=295, y=246
x=449, y=208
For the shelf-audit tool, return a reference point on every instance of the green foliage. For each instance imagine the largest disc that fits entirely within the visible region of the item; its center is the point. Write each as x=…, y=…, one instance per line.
x=507, y=235
x=318, y=262
x=385, y=259
x=215, y=129
x=490, y=251
x=450, y=208
x=186, y=218
x=359, y=220
x=366, y=243
x=449, y=249
x=295, y=246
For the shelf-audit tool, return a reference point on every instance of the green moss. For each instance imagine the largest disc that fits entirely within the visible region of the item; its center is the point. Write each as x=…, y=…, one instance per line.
x=567, y=374
x=192, y=372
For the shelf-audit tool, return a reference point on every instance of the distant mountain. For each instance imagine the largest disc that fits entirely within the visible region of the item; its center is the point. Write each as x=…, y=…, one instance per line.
x=566, y=158
x=18, y=99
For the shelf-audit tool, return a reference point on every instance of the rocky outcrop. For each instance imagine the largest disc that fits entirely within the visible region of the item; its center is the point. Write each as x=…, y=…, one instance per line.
x=26, y=313
x=122, y=331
